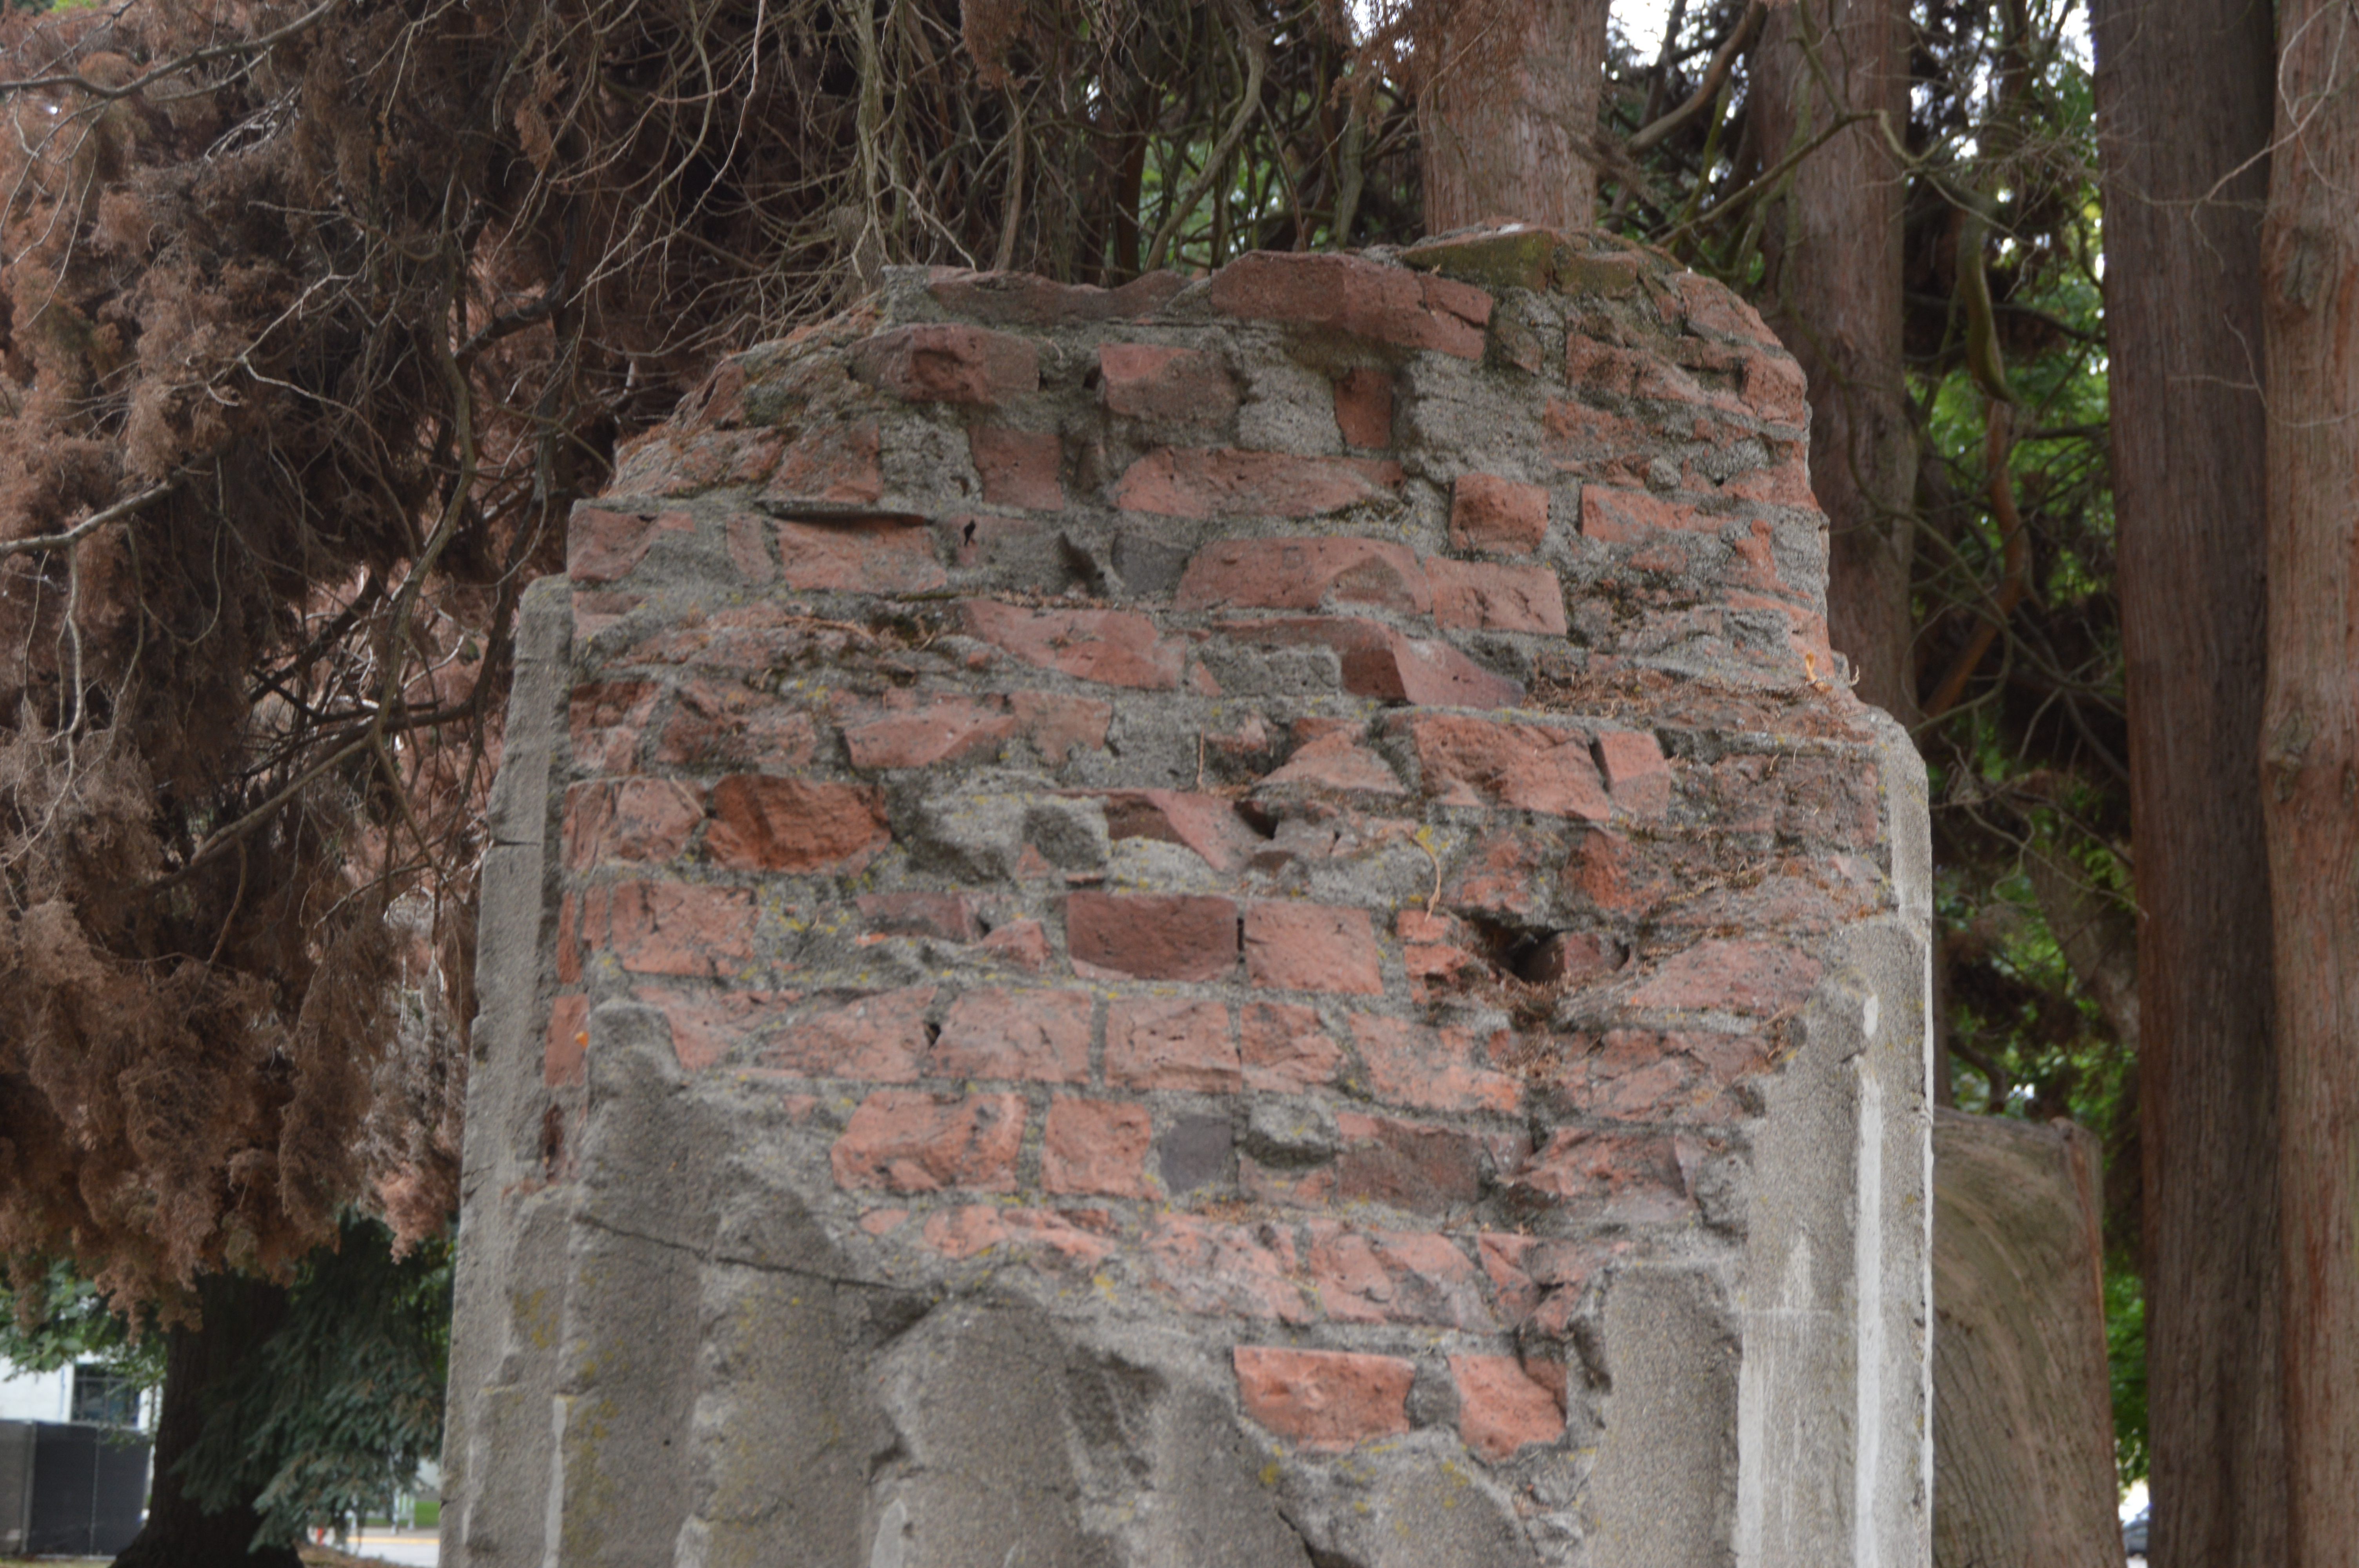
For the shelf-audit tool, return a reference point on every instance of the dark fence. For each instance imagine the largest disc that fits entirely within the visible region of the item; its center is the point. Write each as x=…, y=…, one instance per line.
x=70, y=1490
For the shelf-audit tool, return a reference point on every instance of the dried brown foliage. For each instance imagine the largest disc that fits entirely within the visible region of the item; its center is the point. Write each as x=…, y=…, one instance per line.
x=315, y=318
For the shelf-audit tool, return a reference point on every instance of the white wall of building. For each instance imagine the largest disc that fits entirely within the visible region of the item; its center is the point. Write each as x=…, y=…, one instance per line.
x=35, y=1396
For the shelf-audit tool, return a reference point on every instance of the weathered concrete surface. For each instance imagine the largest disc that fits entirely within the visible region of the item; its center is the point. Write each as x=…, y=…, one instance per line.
x=2023, y=1430
x=1232, y=922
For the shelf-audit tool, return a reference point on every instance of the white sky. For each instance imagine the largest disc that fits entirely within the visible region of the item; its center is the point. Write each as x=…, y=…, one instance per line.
x=1642, y=22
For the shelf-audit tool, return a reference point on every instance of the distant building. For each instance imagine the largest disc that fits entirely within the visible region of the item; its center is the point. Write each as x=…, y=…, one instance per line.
x=88, y=1394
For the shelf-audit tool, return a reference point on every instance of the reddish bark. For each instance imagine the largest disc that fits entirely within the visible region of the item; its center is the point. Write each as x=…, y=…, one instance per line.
x=1506, y=128
x=2309, y=759
x=1833, y=294
x=2183, y=100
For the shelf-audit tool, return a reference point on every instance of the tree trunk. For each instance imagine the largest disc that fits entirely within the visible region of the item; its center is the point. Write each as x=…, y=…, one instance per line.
x=1832, y=295
x=1508, y=113
x=238, y=1313
x=2183, y=95
x=2309, y=758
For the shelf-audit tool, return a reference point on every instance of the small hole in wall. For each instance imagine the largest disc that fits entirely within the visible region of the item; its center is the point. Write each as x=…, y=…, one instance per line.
x=1511, y=950
x=966, y=534
x=552, y=1141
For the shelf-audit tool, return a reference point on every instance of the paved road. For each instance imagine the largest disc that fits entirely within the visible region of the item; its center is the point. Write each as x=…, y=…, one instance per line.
x=413, y=1548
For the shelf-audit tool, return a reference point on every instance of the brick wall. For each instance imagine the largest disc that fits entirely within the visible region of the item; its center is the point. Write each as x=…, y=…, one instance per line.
x=1226, y=921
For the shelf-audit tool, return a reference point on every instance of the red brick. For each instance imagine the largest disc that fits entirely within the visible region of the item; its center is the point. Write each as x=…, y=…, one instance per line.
x=1286, y=1186
x=1500, y=1410
x=858, y=555
x=1465, y=300
x=1311, y=947
x=735, y=727
x=1572, y=958
x=704, y=1025
x=1151, y=936
x=1582, y=440
x=1285, y=1050
x=606, y=720
x=1753, y=563
x=947, y=915
x=948, y=362
x=1630, y=1177
x=915, y=730
x=1382, y=663
x=1783, y=482
x=1043, y=1036
x=1619, y=877
x=1157, y=1043
x=1436, y=948
x=1482, y=595
x=1669, y=557
x=1731, y=977
x=1775, y=388
x=1637, y=1074
x=1167, y=385
x=1635, y=772
x=749, y=547
x=1018, y=468
x=605, y=547
x=564, y=1057
x=1488, y=512
x=1114, y=647
x=1350, y=293
x=1220, y=482
x=632, y=819
x=1710, y=308
x=1230, y=1270
x=1026, y=299
x=1506, y=1257
x=1097, y=1146
x=1337, y=761
x=675, y=461
x=671, y=928
x=794, y=824
x=1059, y=724
x=1505, y=873
x=1410, y=1064
x=1051, y=1242
x=1325, y=1399
x=720, y=402
x=1529, y=767
x=878, y=1039
x=1364, y=407
x=1408, y=1277
x=906, y=1140
x=1612, y=369
x=1819, y=799
x=1621, y=516
x=829, y=465
x=1411, y=1165
x=568, y=942
x=1023, y=943
x=910, y=729
x=1208, y=824
x=964, y=1232
x=1304, y=574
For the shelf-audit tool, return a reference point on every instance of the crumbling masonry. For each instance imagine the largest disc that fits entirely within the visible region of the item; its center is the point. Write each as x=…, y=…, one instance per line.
x=1232, y=922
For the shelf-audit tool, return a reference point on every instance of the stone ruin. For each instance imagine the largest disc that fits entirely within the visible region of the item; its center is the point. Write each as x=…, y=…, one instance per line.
x=1237, y=921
